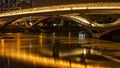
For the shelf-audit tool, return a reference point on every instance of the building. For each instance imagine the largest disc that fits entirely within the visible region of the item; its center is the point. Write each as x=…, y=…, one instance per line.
x=24, y=4
x=7, y=5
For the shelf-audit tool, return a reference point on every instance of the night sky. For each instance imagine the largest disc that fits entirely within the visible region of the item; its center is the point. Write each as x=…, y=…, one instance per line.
x=37, y=3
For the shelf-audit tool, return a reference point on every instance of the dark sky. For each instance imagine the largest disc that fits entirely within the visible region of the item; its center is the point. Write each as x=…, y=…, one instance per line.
x=55, y=2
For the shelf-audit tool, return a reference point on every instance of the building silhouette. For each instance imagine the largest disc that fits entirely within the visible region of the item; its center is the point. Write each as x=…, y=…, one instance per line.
x=7, y=5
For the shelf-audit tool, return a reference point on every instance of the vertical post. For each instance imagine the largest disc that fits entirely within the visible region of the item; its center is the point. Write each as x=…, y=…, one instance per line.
x=61, y=22
x=10, y=20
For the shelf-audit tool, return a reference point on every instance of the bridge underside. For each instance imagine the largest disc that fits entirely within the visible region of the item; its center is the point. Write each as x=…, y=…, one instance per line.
x=97, y=24
x=97, y=18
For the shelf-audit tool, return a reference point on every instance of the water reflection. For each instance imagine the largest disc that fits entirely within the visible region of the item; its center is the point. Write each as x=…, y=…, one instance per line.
x=53, y=50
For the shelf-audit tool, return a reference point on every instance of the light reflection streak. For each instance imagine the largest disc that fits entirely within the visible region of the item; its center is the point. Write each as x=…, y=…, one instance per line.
x=34, y=59
x=41, y=40
x=84, y=51
x=28, y=57
x=18, y=40
x=69, y=37
x=2, y=42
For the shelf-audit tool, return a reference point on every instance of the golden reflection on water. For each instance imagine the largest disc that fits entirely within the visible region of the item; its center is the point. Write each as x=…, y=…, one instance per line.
x=41, y=39
x=31, y=58
x=39, y=60
x=2, y=42
x=36, y=60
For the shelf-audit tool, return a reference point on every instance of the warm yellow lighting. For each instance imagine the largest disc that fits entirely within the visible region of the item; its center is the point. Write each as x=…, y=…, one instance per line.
x=38, y=60
x=85, y=51
x=86, y=6
x=69, y=37
x=18, y=40
x=92, y=24
x=35, y=59
x=41, y=39
x=78, y=8
x=2, y=43
x=80, y=18
x=30, y=57
x=104, y=7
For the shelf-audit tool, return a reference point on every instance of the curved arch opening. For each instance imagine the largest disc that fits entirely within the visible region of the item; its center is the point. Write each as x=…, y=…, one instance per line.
x=61, y=24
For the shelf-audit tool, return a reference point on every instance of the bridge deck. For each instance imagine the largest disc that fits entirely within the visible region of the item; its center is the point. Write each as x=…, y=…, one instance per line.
x=64, y=8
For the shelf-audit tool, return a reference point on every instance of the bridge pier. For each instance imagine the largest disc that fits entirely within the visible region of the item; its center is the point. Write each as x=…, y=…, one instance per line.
x=10, y=20
x=38, y=21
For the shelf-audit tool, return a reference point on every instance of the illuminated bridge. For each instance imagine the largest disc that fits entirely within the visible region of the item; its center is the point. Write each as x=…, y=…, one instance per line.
x=69, y=35
x=92, y=16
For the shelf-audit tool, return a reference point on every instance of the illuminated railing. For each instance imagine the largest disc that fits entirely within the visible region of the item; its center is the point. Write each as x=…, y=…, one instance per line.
x=86, y=6
x=116, y=23
x=78, y=19
x=84, y=21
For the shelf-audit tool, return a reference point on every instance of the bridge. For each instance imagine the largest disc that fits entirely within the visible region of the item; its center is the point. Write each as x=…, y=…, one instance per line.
x=81, y=13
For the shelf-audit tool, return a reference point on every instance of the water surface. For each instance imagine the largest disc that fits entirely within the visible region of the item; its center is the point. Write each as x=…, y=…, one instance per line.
x=59, y=50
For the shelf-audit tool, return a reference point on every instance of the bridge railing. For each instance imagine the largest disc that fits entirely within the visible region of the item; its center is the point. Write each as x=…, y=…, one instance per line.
x=112, y=5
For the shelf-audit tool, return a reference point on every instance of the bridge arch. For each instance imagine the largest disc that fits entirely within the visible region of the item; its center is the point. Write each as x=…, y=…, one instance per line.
x=100, y=29
x=9, y=21
x=80, y=23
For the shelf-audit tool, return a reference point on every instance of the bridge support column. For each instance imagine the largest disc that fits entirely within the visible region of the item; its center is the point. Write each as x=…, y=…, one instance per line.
x=38, y=21
x=102, y=32
x=10, y=20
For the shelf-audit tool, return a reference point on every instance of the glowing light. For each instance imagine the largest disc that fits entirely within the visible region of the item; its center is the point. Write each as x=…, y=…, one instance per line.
x=38, y=60
x=2, y=42
x=78, y=8
x=81, y=19
x=86, y=6
x=84, y=51
x=103, y=7
x=92, y=24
